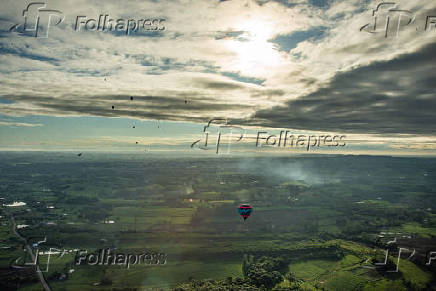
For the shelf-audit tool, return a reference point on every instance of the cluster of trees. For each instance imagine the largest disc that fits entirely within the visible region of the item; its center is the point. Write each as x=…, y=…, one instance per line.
x=264, y=272
x=260, y=274
x=218, y=285
x=11, y=279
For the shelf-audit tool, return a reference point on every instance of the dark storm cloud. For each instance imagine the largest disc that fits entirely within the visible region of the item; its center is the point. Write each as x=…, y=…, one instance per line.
x=396, y=96
x=164, y=107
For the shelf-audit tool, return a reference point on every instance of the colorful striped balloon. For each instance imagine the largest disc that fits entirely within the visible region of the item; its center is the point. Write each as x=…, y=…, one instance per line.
x=245, y=210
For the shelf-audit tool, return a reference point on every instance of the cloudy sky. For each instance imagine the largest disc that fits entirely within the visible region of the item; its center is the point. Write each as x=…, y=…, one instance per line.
x=310, y=67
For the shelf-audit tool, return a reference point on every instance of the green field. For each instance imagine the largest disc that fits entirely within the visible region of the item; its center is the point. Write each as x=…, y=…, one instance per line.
x=326, y=233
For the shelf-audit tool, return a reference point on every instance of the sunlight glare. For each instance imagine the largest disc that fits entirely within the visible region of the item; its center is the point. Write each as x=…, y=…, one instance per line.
x=255, y=55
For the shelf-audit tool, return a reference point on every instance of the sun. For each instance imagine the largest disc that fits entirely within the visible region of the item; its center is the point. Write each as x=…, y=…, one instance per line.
x=254, y=53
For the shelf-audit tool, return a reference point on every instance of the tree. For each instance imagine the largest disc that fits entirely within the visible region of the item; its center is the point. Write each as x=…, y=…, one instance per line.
x=290, y=277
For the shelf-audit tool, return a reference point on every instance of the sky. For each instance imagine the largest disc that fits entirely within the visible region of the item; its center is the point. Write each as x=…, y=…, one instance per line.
x=314, y=68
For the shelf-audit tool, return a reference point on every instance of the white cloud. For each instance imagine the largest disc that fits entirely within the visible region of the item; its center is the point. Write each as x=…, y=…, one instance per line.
x=20, y=124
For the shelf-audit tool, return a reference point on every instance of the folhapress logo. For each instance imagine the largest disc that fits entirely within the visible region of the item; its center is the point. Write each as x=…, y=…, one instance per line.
x=38, y=20
x=389, y=20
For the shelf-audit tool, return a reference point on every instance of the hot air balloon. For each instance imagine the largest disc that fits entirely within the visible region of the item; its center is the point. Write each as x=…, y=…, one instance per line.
x=245, y=210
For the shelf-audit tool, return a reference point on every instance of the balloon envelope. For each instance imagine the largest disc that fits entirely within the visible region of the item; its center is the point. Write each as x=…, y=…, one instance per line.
x=245, y=210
